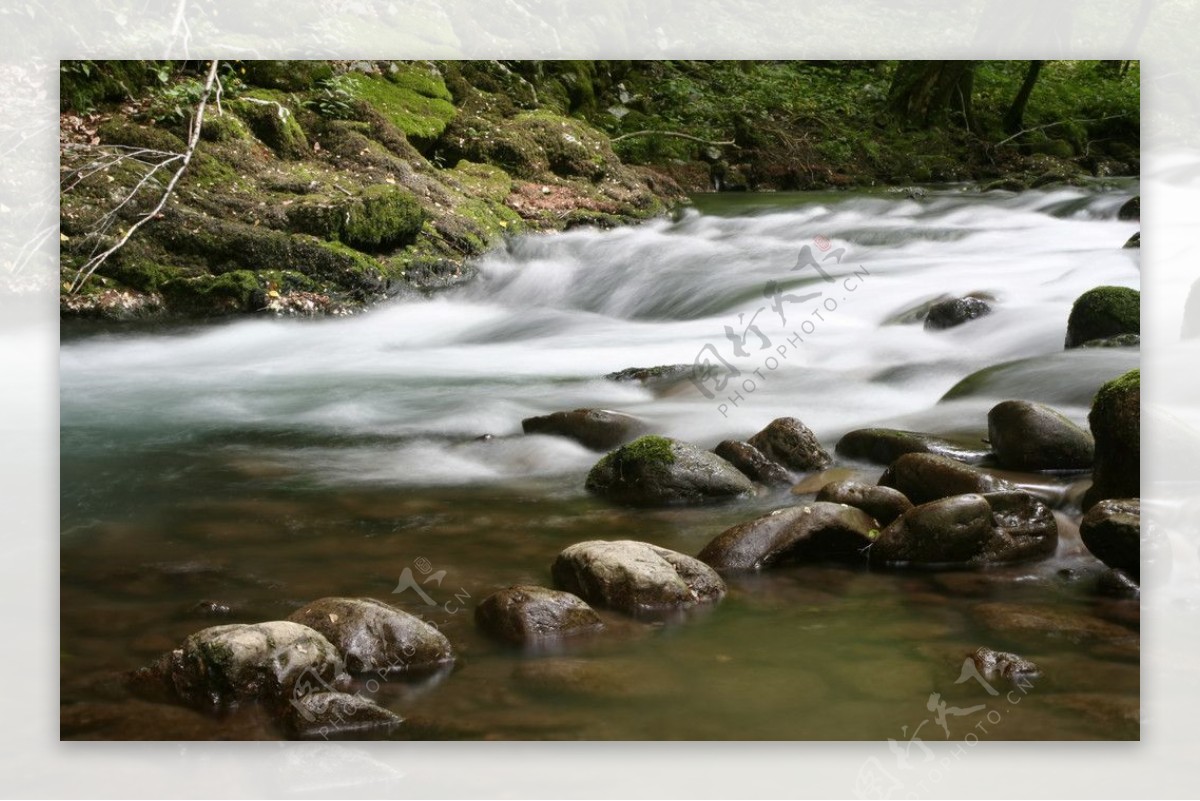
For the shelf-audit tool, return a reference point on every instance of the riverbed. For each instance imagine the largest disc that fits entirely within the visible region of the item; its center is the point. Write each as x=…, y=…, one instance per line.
x=232, y=472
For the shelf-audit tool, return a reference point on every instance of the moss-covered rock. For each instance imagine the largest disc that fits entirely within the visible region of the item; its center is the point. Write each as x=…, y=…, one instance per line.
x=382, y=218
x=287, y=76
x=414, y=98
x=657, y=471
x=119, y=131
x=223, y=128
x=1102, y=312
x=207, y=294
x=273, y=122
x=1115, y=420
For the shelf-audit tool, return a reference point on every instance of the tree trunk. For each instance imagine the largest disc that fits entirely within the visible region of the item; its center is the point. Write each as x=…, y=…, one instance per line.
x=1014, y=119
x=924, y=92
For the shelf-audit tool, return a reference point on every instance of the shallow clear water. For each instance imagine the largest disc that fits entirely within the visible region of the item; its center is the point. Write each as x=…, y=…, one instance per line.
x=265, y=463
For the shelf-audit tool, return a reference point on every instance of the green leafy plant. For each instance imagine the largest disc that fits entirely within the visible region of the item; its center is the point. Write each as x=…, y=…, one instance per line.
x=334, y=97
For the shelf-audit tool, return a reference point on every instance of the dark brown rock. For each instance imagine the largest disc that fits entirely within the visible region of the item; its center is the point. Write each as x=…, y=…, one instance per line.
x=791, y=443
x=335, y=714
x=1032, y=436
x=1111, y=530
x=882, y=503
x=751, y=461
x=525, y=614
x=886, y=445
x=925, y=477
x=816, y=532
x=375, y=637
x=598, y=429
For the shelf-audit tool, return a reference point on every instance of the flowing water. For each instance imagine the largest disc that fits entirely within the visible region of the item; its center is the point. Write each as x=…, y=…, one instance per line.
x=260, y=464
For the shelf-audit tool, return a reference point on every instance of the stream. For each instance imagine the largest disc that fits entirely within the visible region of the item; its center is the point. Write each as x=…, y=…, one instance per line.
x=258, y=464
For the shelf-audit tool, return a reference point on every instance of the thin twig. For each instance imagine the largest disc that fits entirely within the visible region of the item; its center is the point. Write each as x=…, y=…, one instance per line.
x=92, y=264
x=672, y=133
x=1052, y=125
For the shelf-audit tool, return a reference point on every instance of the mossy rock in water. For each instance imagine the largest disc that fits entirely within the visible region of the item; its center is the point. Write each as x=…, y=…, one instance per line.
x=413, y=98
x=142, y=274
x=273, y=123
x=1115, y=420
x=383, y=217
x=1103, y=312
x=657, y=471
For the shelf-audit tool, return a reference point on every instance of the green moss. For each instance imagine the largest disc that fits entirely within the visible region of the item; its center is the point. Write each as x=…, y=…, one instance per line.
x=289, y=76
x=382, y=218
x=119, y=131
x=143, y=274
x=223, y=128
x=651, y=449
x=1105, y=311
x=274, y=123
x=483, y=180
x=413, y=99
x=232, y=291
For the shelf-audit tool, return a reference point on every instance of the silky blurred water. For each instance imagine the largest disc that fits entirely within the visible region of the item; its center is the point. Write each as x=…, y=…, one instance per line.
x=264, y=463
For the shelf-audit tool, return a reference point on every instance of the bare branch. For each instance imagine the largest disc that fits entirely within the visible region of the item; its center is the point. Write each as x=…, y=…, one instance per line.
x=672, y=133
x=1052, y=125
x=92, y=264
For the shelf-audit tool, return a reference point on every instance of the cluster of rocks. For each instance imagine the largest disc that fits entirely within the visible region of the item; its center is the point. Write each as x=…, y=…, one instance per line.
x=300, y=669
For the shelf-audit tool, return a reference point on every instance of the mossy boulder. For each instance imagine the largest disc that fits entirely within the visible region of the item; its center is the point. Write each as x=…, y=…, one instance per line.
x=380, y=219
x=657, y=471
x=223, y=128
x=413, y=97
x=1115, y=420
x=120, y=131
x=287, y=76
x=1105, y=311
x=229, y=292
x=273, y=123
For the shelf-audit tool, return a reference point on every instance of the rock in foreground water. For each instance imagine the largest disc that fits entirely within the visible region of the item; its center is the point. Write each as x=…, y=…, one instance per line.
x=376, y=637
x=925, y=477
x=886, y=445
x=1111, y=530
x=657, y=471
x=598, y=429
x=1032, y=436
x=882, y=503
x=956, y=311
x=1115, y=420
x=753, y=463
x=816, y=532
x=970, y=530
x=526, y=614
x=1002, y=664
x=334, y=714
x=224, y=665
x=791, y=443
x=635, y=577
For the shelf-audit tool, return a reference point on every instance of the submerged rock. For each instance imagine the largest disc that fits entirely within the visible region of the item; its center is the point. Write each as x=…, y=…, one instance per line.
x=1115, y=420
x=635, y=577
x=1102, y=312
x=1066, y=378
x=1111, y=530
x=753, y=464
x=956, y=311
x=1002, y=664
x=525, y=614
x=224, y=665
x=925, y=477
x=971, y=530
x=1134, y=241
x=659, y=378
x=376, y=637
x=1032, y=436
x=886, y=445
x=657, y=471
x=882, y=503
x=791, y=443
x=816, y=532
x=598, y=429
x=1059, y=622
x=326, y=714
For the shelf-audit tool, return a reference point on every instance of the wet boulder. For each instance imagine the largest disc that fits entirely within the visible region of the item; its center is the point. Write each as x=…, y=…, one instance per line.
x=635, y=577
x=658, y=379
x=1111, y=530
x=1117, y=584
x=1002, y=664
x=225, y=665
x=335, y=714
x=376, y=637
x=1105, y=311
x=524, y=614
x=971, y=530
x=882, y=503
x=1115, y=420
x=1131, y=209
x=1032, y=436
x=886, y=445
x=1134, y=241
x=753, y=464
x=956, y=311
x=924, y=477
x=657, y=471
x=598, y=429
x=816, y=532
x=791, y=443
